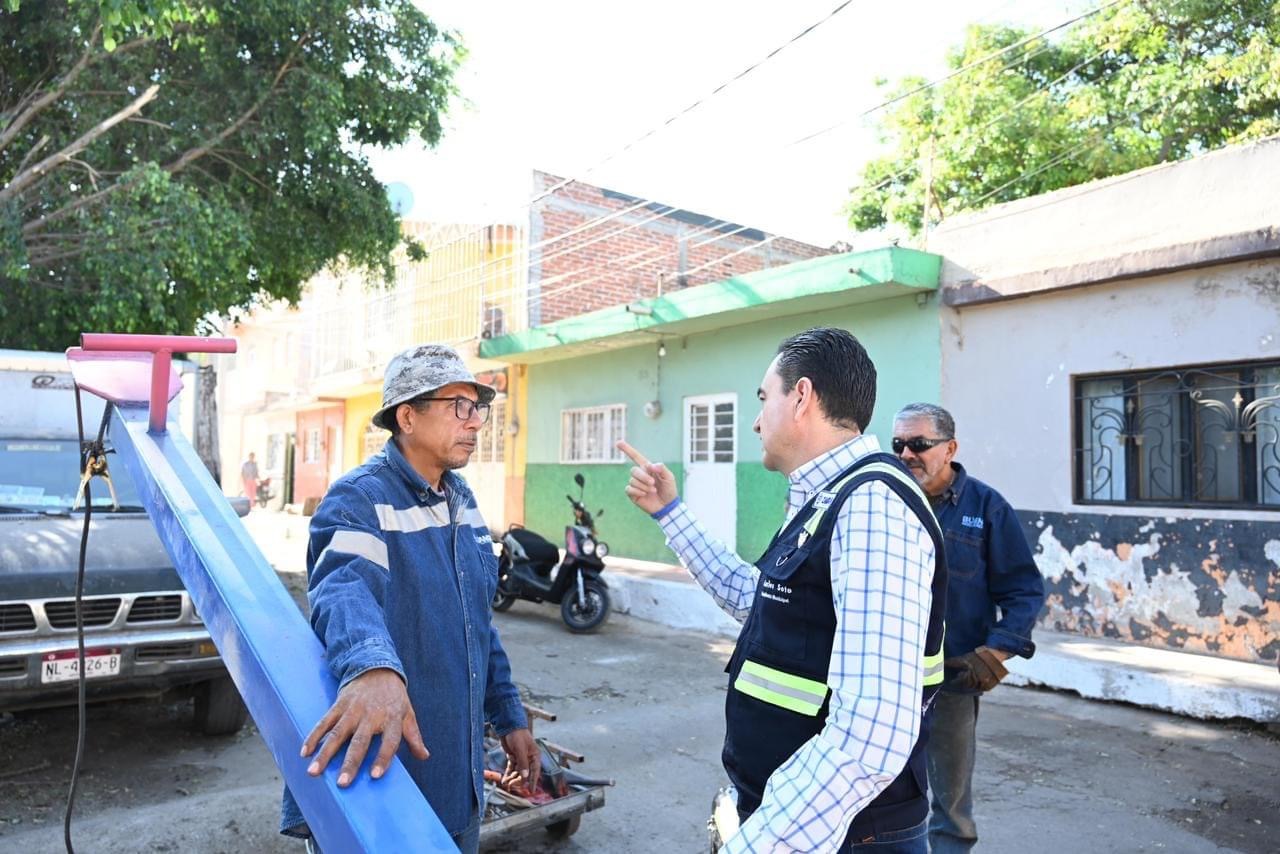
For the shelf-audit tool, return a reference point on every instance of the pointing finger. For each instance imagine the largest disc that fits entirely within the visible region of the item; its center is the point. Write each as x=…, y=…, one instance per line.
x=634, y=455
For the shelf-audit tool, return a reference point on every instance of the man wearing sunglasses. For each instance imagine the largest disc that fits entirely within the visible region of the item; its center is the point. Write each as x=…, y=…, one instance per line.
x=989, y=567
x=401, y=572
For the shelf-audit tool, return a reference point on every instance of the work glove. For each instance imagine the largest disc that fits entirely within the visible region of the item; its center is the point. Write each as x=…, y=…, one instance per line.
x=981, y=669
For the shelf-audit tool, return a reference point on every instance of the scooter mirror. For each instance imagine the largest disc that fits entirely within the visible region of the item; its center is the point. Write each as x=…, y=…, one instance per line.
x=580, y=480
x=599, y=512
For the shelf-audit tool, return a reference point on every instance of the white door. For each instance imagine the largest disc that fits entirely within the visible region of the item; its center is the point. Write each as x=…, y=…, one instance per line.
x=710, y=457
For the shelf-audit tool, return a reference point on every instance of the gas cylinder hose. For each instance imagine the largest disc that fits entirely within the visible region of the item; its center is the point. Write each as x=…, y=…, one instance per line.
x=87, y=451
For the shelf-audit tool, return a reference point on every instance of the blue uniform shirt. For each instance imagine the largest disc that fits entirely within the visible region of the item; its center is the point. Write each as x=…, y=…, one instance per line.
x=401, y=576
x=989, y=567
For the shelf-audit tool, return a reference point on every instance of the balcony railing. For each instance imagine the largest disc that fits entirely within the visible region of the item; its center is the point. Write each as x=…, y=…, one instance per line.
x=472, y=285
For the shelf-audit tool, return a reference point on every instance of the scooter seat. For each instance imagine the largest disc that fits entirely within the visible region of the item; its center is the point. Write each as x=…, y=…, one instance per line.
x=539, y=549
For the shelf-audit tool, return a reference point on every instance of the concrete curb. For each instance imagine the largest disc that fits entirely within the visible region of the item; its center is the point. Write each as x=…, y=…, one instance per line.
x=1198, y=686
x=679, y=605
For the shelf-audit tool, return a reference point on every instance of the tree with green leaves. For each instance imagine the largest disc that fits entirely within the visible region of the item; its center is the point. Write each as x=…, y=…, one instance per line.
x=165, y=161
x=1137, y=83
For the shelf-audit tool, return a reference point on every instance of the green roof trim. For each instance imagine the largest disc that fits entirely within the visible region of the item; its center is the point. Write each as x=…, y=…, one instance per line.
x=814, y=285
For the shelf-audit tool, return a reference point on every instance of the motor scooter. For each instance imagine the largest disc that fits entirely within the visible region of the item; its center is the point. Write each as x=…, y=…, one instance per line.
x=264, y=492
x=527, y=569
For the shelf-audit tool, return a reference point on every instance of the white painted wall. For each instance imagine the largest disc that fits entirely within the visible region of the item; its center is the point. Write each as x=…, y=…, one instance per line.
x=1210, y=206
x=1007, y=366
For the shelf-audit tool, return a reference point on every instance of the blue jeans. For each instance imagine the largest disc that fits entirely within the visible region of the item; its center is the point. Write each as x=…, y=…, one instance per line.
x=911, y=840
x=952, y=740
x=468, y=840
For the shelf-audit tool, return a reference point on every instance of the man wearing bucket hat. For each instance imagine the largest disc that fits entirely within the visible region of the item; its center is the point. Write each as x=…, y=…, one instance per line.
x=401, y=572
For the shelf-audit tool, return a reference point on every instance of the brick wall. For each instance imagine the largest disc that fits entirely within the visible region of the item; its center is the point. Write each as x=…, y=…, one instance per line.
x=644, y=249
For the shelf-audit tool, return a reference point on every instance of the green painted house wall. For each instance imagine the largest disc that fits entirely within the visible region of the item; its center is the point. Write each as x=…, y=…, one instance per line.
x=900, y=334
x=622, y=526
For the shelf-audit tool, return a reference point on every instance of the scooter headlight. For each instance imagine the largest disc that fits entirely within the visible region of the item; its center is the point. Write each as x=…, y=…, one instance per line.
x=588, y=546
x=602, y=549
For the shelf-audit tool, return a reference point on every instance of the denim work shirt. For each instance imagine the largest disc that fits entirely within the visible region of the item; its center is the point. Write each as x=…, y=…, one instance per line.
x=401, y=576
x=989, y=566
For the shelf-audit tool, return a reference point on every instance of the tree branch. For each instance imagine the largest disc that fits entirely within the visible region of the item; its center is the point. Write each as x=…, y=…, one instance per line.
x=201, y=150
x=237, y=167
x=27, y=112
x=32, y=152
x=24, y=117
x=110, y=93
x=93, y=173
x=182, y=162
x=29, y=176
x=146, y=121
x=39, y=260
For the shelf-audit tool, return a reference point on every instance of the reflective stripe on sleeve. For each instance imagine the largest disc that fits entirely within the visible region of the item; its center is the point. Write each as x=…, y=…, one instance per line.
x=412, y=519
x=357, y=543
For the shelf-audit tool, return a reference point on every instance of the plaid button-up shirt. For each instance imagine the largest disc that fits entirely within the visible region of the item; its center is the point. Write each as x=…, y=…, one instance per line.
x=882, y=562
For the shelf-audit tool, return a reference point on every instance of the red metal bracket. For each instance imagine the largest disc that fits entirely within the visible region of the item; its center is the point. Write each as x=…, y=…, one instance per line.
x=113, y=366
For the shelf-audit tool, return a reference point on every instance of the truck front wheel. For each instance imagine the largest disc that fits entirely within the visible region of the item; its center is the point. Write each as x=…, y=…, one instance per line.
x=219, y=709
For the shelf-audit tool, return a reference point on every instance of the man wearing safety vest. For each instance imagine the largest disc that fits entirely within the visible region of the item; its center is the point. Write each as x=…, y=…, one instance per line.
x=840, y=654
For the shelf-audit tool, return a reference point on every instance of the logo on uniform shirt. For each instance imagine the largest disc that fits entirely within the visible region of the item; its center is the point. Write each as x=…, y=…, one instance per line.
x=971, y=522
x=484, y=540
x=824, y=500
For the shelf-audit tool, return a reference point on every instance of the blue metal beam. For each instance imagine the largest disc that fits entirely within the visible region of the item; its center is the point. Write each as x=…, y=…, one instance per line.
x=274, y=657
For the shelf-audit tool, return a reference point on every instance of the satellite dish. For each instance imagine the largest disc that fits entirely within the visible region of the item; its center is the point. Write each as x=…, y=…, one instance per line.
x=401, y=198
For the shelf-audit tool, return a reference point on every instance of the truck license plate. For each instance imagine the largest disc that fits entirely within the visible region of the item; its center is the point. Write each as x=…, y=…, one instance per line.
x=65, y=666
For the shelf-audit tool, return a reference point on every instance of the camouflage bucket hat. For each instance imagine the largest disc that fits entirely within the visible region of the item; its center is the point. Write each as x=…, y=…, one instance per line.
x=421, y=370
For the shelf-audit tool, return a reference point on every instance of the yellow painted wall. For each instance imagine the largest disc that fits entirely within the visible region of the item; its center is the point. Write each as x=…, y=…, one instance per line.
x=359, y=410
x=517, y=445
x=469, y=276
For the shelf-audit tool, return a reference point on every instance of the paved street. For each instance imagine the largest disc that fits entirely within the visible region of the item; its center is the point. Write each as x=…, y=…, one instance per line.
x=1055, y=773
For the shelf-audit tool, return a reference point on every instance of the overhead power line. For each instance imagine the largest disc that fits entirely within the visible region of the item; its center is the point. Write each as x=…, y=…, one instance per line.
x=582, y=227
x=961, y=70
x=700, y=101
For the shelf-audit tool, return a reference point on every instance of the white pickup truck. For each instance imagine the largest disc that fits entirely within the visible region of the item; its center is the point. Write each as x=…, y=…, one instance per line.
x=142, y=634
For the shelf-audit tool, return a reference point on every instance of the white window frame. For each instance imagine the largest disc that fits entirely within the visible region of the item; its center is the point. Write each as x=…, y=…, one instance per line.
x=576, y=447
x=713, y=446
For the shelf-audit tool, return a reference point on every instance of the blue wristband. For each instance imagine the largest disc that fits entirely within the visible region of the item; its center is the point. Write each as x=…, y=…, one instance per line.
x=665, y=509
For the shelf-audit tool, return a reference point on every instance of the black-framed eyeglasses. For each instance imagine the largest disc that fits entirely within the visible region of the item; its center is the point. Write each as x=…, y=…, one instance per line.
x=917, y=444
x=464, y=407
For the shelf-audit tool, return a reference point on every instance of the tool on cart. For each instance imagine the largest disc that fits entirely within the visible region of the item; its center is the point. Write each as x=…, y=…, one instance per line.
x=555, y=802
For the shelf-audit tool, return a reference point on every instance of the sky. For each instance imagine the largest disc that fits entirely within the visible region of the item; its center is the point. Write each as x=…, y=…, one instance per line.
x=565, y=86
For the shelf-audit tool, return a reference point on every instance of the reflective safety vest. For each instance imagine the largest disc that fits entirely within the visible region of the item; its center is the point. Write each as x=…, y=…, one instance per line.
x=778, y=696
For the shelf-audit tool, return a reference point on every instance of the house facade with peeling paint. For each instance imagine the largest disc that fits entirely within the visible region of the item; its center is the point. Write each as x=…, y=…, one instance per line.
x=1111, y=353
